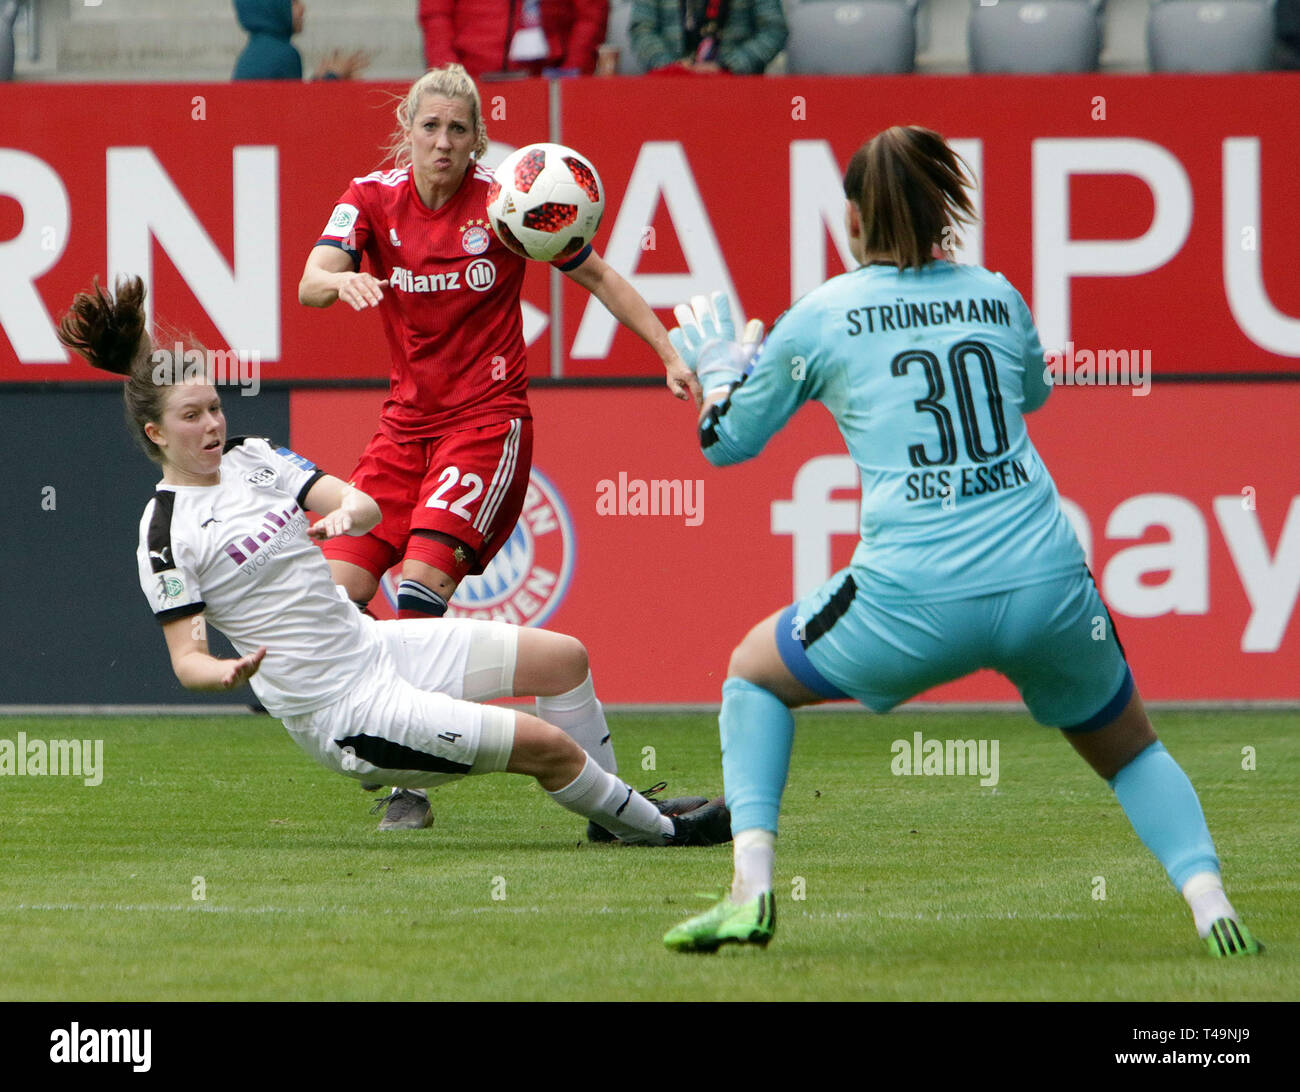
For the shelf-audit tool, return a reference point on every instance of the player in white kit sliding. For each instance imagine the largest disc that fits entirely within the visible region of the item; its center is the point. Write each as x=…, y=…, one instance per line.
x=226, y=540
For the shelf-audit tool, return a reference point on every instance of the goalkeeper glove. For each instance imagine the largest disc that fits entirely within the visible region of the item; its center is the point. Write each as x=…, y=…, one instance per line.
x=706, y=339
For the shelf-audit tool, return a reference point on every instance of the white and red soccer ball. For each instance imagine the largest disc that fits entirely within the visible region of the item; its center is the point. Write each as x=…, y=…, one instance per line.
x=545, y=201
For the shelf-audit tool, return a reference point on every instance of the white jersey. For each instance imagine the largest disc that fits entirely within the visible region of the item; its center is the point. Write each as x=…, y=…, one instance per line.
x=239, y=553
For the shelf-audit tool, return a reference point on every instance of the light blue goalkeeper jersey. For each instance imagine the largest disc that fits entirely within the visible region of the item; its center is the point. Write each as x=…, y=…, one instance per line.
x=928, y=374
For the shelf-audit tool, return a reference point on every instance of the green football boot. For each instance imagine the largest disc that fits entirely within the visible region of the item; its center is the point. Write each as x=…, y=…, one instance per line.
x=749, y=922
x=1231, y=938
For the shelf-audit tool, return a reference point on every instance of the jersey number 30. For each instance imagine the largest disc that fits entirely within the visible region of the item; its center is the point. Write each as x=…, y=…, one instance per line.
x=960, y=357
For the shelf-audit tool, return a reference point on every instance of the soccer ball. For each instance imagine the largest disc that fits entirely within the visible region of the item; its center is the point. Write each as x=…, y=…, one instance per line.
x=545, y=202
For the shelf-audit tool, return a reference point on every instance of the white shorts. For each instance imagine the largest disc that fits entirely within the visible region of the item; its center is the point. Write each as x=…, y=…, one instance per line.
x=407, y=722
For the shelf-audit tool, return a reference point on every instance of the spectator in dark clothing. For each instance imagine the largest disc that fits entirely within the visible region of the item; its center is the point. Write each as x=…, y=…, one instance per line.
x=1287, y=51
x=704, y=36
x=532, y=37
x=270, y=55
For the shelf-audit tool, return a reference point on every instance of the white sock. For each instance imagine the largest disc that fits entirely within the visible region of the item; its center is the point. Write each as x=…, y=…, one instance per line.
x=629, y=816
x=753, y=850
x=580, y=716
x=1205, y=895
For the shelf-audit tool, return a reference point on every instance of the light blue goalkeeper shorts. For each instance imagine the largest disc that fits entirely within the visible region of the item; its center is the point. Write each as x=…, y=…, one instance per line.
x=1055, y=641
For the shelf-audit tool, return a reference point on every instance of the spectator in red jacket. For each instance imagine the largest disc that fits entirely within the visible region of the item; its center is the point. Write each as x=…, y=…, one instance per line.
x=529, y=36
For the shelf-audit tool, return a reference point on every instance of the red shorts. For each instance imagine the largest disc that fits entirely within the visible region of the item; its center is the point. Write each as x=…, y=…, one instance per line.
x=469, y=485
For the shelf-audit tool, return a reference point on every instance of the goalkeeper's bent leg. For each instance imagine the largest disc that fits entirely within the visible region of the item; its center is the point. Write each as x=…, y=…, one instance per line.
x=1165, y=813
x=757, y=733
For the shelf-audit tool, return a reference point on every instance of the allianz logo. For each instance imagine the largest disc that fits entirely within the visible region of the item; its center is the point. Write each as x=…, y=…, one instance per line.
x=479, y=275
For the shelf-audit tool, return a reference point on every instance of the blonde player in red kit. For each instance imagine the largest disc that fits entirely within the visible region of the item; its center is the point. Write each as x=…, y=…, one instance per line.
x=449, y=464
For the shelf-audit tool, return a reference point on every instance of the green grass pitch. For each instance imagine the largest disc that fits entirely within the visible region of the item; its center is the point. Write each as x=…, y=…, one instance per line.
x=913, y=888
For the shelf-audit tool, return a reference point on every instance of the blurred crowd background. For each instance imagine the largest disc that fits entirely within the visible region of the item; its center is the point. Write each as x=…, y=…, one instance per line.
x=211, y=40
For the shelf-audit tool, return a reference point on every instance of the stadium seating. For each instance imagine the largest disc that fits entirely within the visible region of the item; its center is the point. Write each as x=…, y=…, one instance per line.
x=199, y=40
x=1210, y=35
x=852, y=37
x=1035, y=36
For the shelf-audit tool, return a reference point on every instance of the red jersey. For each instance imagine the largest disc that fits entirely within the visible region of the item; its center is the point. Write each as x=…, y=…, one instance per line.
x=451, y=308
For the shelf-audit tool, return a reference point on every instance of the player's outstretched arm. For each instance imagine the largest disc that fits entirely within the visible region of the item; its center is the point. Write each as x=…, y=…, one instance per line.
x=345, y=509
x=196, y=667
x=329, y=276
x=751, y=388
x=625, y=303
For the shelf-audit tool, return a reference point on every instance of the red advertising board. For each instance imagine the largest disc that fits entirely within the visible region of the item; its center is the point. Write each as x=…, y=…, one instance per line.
x=1131, y=212
x=1186, y=499
x=216, y=194
x=1144, y=213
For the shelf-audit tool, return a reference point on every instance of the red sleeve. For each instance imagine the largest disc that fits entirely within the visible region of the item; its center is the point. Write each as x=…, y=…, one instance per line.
x=435, y=19
x=588, y=32
x=348, y=227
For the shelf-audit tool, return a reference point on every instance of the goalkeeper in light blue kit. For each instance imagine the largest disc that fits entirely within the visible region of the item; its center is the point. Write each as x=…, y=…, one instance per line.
x=966, y=560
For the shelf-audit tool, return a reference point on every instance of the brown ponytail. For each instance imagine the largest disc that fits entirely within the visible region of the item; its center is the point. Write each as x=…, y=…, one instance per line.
x=910, y=188
x=109, y=331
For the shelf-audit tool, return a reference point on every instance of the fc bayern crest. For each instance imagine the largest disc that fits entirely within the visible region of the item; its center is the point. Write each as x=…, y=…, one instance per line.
x=527, y=579
x=475, y=240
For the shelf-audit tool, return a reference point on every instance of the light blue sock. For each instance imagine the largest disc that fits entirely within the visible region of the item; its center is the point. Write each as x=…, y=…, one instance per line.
x=1162, y=806
x=757, y=735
